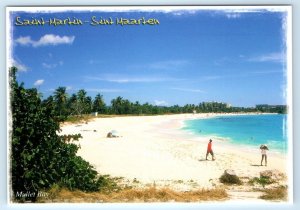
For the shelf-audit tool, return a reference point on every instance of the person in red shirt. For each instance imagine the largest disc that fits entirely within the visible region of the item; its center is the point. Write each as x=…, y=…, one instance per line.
x=209, y=150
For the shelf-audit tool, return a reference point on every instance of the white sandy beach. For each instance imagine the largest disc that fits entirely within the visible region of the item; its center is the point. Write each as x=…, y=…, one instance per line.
x=155, y=149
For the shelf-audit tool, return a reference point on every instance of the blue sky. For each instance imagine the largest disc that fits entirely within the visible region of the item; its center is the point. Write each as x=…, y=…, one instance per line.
x=191, y=56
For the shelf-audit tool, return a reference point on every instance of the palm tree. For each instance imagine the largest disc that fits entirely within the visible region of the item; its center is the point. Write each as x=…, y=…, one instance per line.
x=81, y=94
x=117, y=105
x=88, y=105
x=137, y=108
x=99, y=104
x=81, y=100
x=72, y=105
x=60, y=98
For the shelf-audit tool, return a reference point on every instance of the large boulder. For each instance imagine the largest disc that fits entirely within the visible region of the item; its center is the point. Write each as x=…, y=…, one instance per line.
x=229, y=172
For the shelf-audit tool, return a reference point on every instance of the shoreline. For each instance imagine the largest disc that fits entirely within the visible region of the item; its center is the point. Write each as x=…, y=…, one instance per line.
x=154, y=149
x=228, y=141
x=196, y=137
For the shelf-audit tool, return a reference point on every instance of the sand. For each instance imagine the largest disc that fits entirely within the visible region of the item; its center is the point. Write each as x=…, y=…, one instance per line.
x=154, y=149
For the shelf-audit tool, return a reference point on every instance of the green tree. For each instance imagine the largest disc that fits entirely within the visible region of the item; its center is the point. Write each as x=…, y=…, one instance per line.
x=126, y=107
x=39, y=156
x=88, y=105
x=84, y=103
x=60, y=98
x=136, y=108
x=99, y=104
x=72, y=105
x=117, y=105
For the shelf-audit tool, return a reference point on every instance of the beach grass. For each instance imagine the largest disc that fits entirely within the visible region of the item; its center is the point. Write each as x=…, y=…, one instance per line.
x=279, y=193
x=150, y=194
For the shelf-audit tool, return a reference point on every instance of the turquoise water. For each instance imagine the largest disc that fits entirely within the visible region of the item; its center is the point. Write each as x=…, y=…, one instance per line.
x=247, y=130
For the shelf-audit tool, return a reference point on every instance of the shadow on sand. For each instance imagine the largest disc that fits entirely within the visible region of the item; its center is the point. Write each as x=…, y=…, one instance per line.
x=202, y=159
x=255, y=165
x=206, y=160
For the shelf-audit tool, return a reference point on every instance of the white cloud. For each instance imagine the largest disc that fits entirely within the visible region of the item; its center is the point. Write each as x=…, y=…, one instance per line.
x=233, y=15
x=267, y=72
x=48, y=39
x=126, y=79
x=51, y=39
x=235, y=12
x=253, y=9
x=271, y=57
x=162, y=65
x=49, y=66
x=182, y=12
x=130, y=80
x=169, y=64
x=189, y=90
x=26, y=40
x=20, y=66
x=52, y=65
x=160, y=103
x=38, y=82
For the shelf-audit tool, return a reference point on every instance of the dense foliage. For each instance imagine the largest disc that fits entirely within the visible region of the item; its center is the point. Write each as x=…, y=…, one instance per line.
x=40, y=157
x=79, y=103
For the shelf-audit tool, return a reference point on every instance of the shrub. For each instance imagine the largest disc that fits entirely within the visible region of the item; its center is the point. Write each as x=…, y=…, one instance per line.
x=279, y=193
x=40, y=157
x=230, y=179
x=263, y=181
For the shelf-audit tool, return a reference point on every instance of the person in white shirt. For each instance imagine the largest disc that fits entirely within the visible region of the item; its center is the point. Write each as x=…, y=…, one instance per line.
x=263, y=149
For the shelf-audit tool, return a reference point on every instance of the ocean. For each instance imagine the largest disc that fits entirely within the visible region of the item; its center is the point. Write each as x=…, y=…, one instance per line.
x=244, y=130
